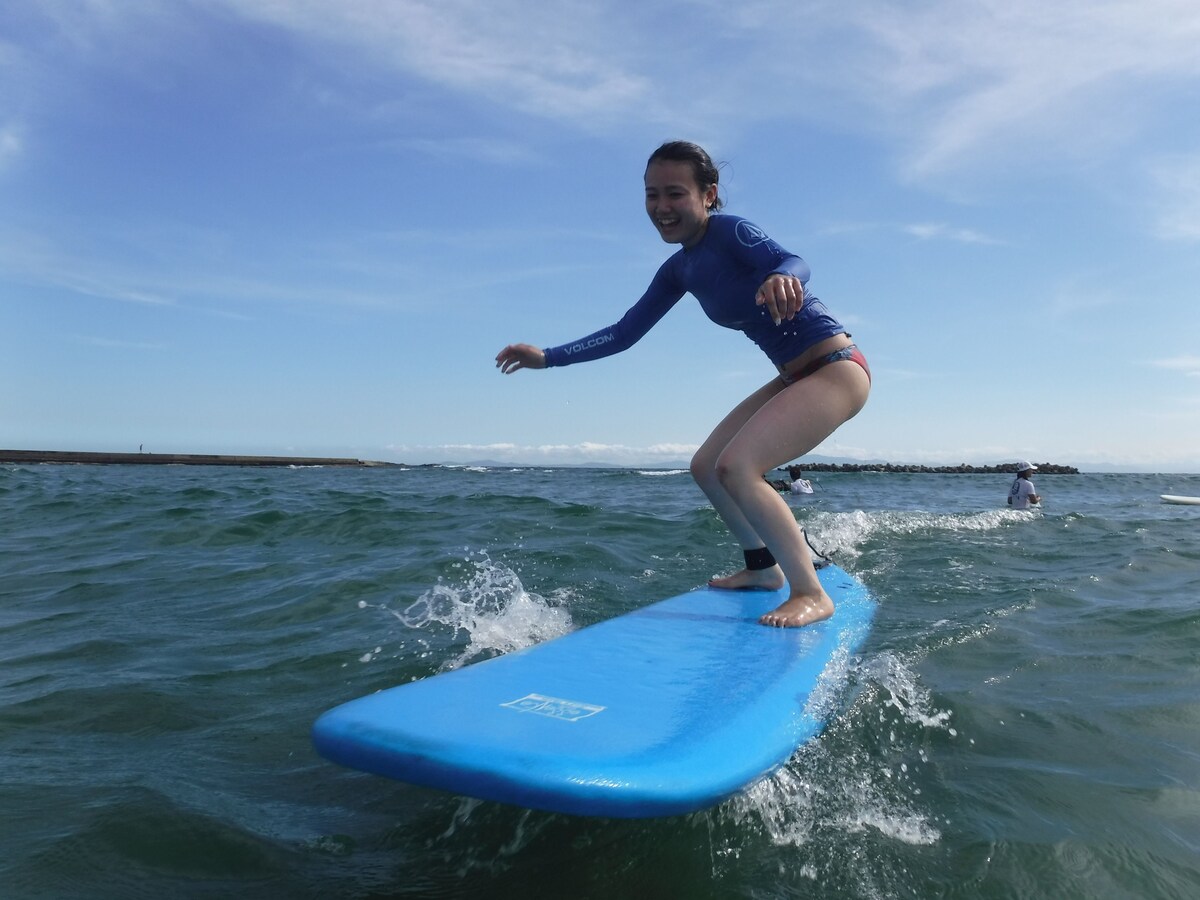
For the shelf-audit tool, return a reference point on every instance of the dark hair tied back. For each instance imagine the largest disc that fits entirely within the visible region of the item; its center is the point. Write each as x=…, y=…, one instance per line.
x=702, y=165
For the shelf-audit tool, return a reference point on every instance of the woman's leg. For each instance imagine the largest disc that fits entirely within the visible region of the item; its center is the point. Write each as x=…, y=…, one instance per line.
x=704, y=471
x=787, y=425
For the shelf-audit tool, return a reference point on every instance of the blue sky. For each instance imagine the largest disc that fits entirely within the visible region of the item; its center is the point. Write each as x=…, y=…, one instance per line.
x=303, y=227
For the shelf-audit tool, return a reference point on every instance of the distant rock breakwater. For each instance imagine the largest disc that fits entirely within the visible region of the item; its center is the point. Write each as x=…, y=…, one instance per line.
x=175, y=459
x=961, y=469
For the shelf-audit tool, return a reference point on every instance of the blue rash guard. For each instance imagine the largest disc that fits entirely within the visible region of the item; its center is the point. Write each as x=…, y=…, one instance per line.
x=724, y=272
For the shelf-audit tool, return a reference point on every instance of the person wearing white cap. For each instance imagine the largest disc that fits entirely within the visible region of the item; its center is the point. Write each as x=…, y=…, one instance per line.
x=1022, y=495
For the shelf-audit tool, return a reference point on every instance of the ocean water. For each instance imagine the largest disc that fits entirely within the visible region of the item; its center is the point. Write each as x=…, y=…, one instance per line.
x=1023, y=721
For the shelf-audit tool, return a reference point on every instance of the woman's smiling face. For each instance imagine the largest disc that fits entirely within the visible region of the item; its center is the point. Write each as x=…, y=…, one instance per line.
x=675, y=203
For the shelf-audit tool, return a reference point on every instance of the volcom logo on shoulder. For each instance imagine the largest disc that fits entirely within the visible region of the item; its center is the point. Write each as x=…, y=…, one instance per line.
x=750, y=235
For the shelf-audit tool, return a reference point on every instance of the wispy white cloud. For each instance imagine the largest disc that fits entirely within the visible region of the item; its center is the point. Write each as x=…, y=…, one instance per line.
x=1187, y=365
x=1074, y=298
x=550, y=62
x=946, y=84
x=194, y=274
x=99, y=290
x=656, y=455
x=11, y=144
x=925, y=231
x=1022, y=77
x=928, y=231
x=1177, y=184
x=490, y=150
x=116, y=343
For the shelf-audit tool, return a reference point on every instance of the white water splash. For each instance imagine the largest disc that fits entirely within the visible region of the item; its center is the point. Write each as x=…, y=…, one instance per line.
x=905, y=692
x=492, y=607
x=842, y=534
x=840, y=784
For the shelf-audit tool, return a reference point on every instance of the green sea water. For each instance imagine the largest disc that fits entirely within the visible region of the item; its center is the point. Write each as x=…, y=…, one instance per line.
x=1023, y=721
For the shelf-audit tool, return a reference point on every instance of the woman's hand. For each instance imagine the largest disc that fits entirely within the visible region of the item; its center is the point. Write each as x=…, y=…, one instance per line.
x=782, y=295
x=520, y=356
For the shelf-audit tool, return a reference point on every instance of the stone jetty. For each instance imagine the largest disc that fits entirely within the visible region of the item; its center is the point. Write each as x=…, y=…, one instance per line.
x=961, y=469
x=176, y=459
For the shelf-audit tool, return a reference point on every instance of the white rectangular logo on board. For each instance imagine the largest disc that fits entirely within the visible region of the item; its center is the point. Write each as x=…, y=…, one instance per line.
x=567, y=710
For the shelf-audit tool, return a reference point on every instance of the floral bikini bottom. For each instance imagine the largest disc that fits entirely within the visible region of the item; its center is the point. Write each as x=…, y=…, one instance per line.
x=849, y=352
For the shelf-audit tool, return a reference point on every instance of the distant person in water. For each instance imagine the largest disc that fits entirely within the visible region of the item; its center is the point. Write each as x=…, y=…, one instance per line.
x=747, y=282
x=797, y=483
x=1022, y=494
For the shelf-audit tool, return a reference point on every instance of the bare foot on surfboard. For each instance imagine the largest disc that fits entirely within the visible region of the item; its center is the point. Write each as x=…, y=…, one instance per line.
x=799, y=610
x=750, y=580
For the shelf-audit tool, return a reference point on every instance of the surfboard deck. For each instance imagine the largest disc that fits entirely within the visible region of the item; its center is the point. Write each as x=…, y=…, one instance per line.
x=665, y=710
x=1175, y=498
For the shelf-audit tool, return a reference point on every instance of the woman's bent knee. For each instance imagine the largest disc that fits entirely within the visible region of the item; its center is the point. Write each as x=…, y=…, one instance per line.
x=730, y=472
x=703, y=466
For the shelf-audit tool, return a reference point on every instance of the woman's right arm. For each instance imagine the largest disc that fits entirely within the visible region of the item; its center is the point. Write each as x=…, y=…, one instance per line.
x=642, y=316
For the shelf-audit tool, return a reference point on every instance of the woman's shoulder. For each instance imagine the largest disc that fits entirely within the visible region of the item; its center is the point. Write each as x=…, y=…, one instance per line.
x=725, y=221
x=737, y=228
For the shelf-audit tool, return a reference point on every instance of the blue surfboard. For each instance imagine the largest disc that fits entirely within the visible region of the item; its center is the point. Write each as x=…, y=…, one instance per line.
x=668, y=709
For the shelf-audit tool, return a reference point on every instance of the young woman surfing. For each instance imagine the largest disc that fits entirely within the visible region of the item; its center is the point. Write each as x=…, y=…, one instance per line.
x=745, y=281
